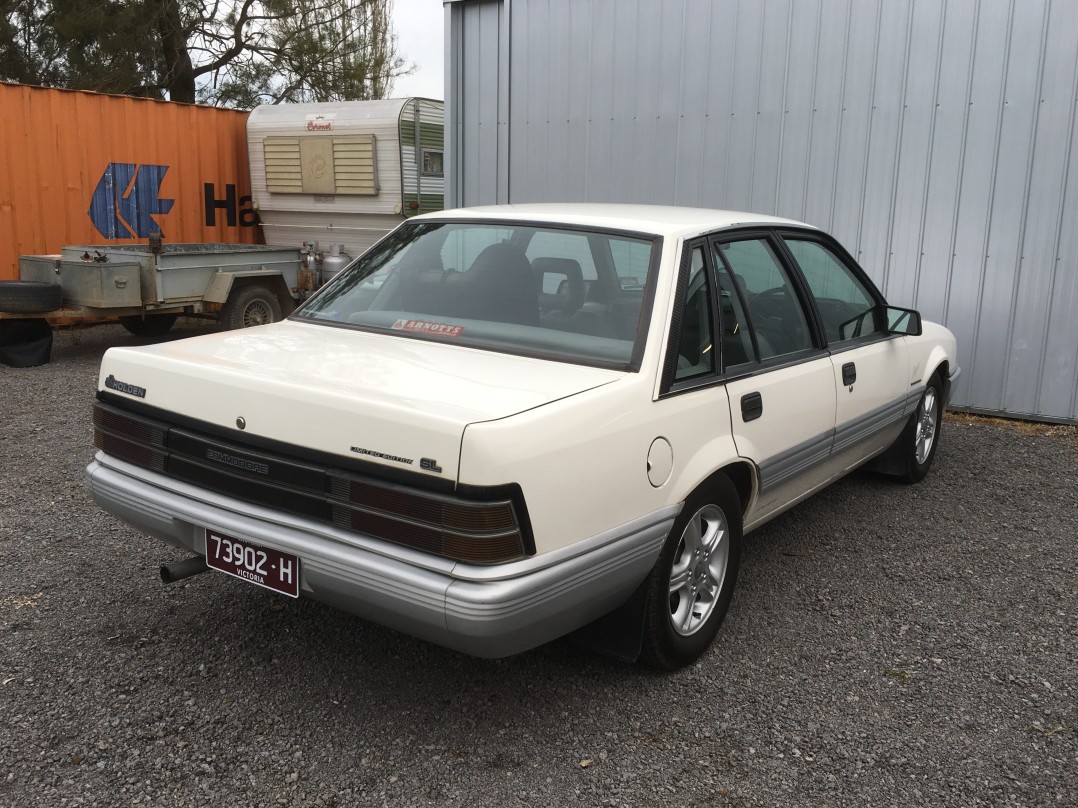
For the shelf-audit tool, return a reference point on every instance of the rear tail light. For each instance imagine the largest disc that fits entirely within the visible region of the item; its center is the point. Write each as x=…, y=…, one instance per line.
x=128, y=437
x=490, y=529
x=475, y=532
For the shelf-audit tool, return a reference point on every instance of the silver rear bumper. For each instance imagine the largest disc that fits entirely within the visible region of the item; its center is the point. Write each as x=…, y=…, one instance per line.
x=487, y=611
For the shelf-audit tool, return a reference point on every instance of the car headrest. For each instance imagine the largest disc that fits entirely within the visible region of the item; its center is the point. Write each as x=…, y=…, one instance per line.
x=569, y=296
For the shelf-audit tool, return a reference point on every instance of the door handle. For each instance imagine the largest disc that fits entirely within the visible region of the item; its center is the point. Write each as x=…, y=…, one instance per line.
x=849, y=373
x=752, y=406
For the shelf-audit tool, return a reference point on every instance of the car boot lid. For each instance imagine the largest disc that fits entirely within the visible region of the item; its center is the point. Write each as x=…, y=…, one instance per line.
x=387, y=399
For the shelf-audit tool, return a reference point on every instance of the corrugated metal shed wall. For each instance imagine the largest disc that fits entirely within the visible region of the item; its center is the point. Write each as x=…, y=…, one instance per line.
x=935, y=138
x=59, y=145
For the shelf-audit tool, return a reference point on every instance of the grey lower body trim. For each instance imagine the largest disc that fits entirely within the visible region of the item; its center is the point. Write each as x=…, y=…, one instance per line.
x=865, y=426
x=781, y=468
x=786, y=465
x=486, y=611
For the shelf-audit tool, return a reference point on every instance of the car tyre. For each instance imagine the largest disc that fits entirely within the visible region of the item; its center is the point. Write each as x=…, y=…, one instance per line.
x=30, y=296
x=691, y=585
x=921, y=437
x=25, y=343
x=249, y=306
x=154, y=325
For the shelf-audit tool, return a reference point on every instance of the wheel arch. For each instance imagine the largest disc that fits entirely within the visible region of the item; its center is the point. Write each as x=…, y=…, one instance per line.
x=274, y=282
x=942, y=369
x=742, y=475
x=935, y=352
x=226, y=284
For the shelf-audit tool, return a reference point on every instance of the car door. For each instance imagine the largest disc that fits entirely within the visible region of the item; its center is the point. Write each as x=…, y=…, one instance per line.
x=870, y=366
x=779, y=378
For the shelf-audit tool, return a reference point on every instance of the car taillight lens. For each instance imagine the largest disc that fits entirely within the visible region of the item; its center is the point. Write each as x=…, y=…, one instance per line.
x=128, y=437
x=475, y=532
x=487, y=527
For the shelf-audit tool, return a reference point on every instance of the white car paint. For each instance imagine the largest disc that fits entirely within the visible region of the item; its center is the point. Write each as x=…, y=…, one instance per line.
x=574, y=438
x=332, y=389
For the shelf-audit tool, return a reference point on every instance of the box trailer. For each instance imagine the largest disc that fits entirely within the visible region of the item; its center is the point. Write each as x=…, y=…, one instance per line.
x=146, y=287
x=344, y=173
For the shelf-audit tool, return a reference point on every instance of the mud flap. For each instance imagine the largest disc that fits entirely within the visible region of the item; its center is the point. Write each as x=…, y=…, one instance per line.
x=619, y=634
x=894, y=460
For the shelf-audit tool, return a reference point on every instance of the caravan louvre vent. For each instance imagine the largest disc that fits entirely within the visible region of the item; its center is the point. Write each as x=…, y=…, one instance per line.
x=283, y=165
x=321, y=165
x=354, y=167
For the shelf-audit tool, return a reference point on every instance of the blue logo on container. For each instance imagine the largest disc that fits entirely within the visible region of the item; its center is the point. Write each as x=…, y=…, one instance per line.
x=125, y=200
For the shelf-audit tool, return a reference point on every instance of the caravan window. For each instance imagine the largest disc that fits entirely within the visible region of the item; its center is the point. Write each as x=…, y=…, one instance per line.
x=432, y=163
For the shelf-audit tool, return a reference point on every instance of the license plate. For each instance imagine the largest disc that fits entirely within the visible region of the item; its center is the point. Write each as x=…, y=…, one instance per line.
x=262, y=566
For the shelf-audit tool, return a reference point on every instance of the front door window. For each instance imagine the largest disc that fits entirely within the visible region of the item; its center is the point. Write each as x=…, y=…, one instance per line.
x=777, y=318
x=847, y=309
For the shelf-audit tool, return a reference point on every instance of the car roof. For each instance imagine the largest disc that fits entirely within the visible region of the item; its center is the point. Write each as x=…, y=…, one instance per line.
x=663, y=220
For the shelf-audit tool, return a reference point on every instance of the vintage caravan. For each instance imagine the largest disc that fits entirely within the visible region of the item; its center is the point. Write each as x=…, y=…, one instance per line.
x=343, y=174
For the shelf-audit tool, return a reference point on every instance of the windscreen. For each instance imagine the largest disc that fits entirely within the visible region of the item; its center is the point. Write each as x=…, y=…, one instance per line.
x=559, y=293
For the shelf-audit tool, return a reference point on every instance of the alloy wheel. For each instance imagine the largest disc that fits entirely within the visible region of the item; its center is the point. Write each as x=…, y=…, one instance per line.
x=925, y=433
x=698, y=570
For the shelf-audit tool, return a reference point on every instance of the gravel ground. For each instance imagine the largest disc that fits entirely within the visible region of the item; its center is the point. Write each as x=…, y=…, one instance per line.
x=888, y=645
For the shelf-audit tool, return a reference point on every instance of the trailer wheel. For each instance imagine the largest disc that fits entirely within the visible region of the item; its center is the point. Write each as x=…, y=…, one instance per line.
x=154, y=325
x=20, y=296
x=249, y=305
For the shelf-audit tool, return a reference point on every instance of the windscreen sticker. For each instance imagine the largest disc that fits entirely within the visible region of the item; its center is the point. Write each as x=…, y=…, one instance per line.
x=440, y=329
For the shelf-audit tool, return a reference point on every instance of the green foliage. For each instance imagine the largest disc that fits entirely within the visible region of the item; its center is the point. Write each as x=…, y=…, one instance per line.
x=28, y=44
x=237, y=53
x=107, y=46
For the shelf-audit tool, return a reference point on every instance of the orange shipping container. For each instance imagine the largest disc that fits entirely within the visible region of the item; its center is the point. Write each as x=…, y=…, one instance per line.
x=84, y=168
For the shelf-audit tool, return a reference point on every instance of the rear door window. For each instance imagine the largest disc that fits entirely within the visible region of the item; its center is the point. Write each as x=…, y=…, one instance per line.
x=738, y=349
x=694, y=346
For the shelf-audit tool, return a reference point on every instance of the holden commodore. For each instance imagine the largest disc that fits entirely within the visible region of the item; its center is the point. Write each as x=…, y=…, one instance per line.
x=502, y=425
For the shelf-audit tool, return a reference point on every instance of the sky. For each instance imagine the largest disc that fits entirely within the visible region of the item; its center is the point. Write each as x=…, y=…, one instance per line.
x=419, y=25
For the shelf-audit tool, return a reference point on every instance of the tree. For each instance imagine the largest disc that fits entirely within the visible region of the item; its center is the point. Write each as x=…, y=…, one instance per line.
x=224, y=52
x=29, y=52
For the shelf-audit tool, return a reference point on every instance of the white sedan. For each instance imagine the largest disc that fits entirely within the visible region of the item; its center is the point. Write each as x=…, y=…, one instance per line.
x=501, y=425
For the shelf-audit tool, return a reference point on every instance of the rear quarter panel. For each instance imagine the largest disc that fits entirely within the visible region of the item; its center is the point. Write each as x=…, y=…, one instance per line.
x=582, y=462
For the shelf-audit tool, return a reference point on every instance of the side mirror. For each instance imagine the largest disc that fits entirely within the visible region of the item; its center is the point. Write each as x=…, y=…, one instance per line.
x=902, y=321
